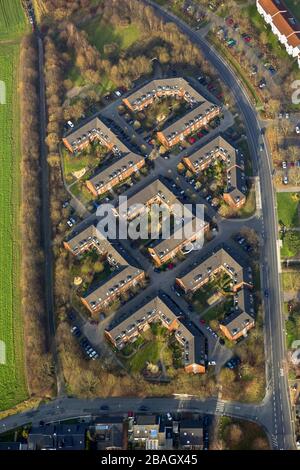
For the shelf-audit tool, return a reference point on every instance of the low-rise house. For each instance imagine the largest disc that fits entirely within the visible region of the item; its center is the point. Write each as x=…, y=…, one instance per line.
x=219, y=149
x=191, y=435
x=115, y=174
x=145, y=432
x=191, y=339
x=108, y=433
x=283, y=24
x=57, y=437
x=123, y=277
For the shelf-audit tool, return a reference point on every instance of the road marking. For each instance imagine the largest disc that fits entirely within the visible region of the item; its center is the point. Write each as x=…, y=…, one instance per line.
x=274, y=441
x=220, y=406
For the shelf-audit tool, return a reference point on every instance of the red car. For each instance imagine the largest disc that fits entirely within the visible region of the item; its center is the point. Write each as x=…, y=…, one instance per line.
x=247, y=39
x=202, y=321
x=200, y=135
x=191, y=140
x=229, y=21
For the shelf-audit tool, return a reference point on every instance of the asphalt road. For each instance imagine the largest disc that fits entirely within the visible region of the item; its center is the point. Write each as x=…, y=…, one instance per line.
x=279, y=419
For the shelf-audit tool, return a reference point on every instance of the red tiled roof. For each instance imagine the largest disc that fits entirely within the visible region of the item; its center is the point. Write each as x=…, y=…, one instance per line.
x=281, y=18
x=271, y=7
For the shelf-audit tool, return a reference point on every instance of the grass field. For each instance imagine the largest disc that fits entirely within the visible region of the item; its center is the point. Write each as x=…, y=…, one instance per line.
x=287, y=206
x=100, y=35
x=12, y=376
x=12, y=19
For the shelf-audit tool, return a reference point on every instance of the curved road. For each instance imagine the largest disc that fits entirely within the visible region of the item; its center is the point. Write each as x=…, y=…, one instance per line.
x=280, y=421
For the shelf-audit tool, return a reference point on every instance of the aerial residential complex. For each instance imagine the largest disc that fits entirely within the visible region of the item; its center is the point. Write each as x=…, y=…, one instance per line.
x=219, y=148
x=123, y=277
x=157, y=193
x=186, y=333
x=242, y=318
x=283, y=24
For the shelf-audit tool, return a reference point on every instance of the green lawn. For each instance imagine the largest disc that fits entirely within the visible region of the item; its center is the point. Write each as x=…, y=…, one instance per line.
x=99, y=35
x=291, y=244
x=12, y=19
x=287, y=207
x=12, y=376
x=148, y=353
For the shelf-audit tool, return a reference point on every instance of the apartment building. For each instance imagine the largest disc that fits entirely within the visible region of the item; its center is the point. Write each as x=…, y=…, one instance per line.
x=115, y=174
x=202, y=110
x=154, y=193
x=122, y=278
x=194, y=120
x=183, y=239
x=158, y=89
x=283, y=24
x=219, y=149
x=190, y=338
x=242, y=315
x=163, y=250
x=94, y=129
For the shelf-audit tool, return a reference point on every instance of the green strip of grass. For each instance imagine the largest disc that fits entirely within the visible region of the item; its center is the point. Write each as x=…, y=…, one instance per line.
x=287, y=208
x=12, y=19
x=12, y=375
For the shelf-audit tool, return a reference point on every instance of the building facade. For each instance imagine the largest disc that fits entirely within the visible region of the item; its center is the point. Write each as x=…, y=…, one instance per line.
x=283, y=24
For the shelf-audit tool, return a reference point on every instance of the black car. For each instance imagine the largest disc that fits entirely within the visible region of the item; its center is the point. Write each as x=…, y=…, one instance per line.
x=143, y=408
x=104, y=407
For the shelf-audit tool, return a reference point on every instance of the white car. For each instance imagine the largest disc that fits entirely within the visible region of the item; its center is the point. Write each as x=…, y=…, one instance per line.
x=118, y=93
x=285, y=179
x=69, y=223
x=211, y=363
x=284, y=165
x=70, y=123
x=297, y=130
